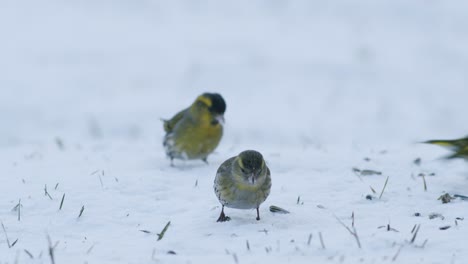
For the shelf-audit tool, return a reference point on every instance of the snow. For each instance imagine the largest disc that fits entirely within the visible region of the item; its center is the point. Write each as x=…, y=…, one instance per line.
x=317, y=87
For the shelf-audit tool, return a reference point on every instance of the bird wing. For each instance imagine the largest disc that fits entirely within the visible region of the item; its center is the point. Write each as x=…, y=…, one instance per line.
x=171, y=123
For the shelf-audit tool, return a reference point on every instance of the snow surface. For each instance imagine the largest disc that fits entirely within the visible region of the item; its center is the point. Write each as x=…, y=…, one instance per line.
x=316, y=86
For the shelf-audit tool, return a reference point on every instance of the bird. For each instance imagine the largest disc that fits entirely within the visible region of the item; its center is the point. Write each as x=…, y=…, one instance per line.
x=195, y=132
x=459, y=147
x=242, y=182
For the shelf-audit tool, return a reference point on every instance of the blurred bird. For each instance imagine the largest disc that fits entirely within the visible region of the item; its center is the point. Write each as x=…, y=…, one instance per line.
x=458, y=146
x=242, y=182
x=196, y=131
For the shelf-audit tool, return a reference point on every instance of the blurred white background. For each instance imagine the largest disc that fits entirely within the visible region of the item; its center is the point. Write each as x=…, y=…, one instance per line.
x=291, y=71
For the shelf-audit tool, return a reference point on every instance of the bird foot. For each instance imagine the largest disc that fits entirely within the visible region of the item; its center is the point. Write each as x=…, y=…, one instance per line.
x=223, y=218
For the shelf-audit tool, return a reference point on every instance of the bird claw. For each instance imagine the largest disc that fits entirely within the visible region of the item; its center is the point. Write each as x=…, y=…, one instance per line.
x=223, y=218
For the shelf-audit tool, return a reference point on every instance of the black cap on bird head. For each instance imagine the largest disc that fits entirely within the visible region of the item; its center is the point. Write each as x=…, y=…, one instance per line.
x=251, y=160
x=218, y=105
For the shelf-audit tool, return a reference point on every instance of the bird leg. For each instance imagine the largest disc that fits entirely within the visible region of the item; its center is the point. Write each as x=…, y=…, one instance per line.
x=222, y=216
x=258, y=215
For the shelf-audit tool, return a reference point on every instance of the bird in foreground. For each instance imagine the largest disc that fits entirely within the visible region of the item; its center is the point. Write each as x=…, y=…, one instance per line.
x=195, y=132
x=458, y=146
x=242, y=182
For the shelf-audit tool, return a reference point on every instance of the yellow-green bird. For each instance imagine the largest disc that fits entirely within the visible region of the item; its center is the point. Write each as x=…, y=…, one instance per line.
x=458, y=146
x=242, y=182
x=195, y=132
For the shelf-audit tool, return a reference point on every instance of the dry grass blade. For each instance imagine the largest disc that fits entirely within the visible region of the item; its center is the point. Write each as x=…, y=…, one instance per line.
x=276, y=209
x=397, y=253
x=415, y=234
x=29, y=254
x=61, y=202
x=161, y=235
x=81, y=211
x=383, y=189
x=6, y=236
x=370, y=172
x=352, y=232
x=424, y=182
x=321, y=240
x=51, y=250
x=19, y=210
x=90, y=249
x=46, y=193
x=309, y=239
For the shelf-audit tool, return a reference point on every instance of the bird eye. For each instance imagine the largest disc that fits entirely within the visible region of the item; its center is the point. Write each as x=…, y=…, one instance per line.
x=243, y=171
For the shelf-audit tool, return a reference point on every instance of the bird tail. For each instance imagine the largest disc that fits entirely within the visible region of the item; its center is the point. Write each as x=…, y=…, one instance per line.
x=166, y=125
x=443, y=143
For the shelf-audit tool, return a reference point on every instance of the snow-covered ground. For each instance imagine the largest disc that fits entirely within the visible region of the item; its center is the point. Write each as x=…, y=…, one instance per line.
x=318, y=87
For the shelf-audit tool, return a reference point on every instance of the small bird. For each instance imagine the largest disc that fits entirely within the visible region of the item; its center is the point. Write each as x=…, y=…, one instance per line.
x=242, y=182
x=196, y=131
x=458, y=146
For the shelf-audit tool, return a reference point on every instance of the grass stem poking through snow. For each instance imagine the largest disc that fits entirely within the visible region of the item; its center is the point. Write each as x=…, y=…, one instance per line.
x=353, y=232
x=29, y=254
x=100, y=180
x=321, y=240
x=161, y=235
x=51, y=250
x=247, y=244
x=61, y=202
x=424, y=182
x=90, y=249
x=19, y=210
x=81, y=211
x=6, y=237
x=309, y=239
x=46, y=193
x=415, y=230
x=383, y=189
x=397, y=253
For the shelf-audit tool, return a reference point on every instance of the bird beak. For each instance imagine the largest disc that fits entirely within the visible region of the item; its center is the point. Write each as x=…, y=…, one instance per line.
x=220, y=118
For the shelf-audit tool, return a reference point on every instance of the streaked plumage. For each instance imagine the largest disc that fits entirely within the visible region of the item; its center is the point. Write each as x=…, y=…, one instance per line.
x=196, y=131
x=242, y=182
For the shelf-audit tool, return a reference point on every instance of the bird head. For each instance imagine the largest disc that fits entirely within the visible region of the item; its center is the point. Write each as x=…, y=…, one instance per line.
x=251, y=166
x=210, y=106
